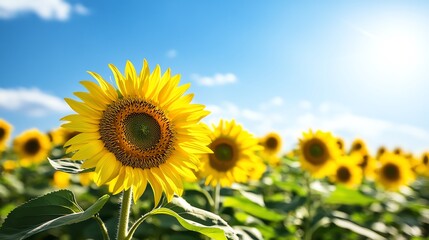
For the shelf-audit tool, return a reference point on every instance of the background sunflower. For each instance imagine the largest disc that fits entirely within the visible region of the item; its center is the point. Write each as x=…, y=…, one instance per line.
x=234, y=155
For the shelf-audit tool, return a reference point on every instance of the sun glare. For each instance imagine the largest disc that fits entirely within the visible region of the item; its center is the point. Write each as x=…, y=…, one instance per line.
x=396, y=52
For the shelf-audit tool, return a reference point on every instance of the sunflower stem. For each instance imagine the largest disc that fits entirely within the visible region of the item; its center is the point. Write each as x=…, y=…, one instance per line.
x=216, y=198
x=124, y=215
x=307, y=230
x=102, y=227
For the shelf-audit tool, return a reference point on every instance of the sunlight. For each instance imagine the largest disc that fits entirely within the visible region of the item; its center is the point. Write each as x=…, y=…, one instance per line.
x=396, y=52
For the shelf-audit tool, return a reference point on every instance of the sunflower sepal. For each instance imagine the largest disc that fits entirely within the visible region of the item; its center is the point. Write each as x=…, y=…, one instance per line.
x=191, y=218
x=69, y=166
x=55, y=209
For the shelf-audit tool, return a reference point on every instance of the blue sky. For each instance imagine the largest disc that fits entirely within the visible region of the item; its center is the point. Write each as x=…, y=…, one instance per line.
x=356, y=68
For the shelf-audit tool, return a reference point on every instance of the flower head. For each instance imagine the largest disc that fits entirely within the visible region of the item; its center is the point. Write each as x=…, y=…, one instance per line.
x=234, y=155
x=144, y=131
x=347, y=172
x=318, y=152
x=394, y=171
x=5, y=130
x=32, y=146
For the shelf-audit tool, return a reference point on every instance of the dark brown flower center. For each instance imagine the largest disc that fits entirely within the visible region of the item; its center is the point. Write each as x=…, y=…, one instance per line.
x=343, y=174
x=137, y=133
x=225, y=154
x=357, y=146
x=271, y=143
x=425, y=160
x=2, y=133
x=391, y=172
x=364, y=162
x=316, y=152
x=340, y=144
x=32, y=146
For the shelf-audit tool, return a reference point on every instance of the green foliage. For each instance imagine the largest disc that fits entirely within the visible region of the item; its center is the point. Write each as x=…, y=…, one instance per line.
x=49, y=211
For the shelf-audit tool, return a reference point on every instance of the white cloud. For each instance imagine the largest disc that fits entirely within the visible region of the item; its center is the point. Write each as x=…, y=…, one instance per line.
x=80, y=9
x=32, y=101
x=172, y=53
x=291, y=120
x=45, y=9
x=217, y=79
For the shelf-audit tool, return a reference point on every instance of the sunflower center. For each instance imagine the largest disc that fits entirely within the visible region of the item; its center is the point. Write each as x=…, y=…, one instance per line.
x=2, y=133
x=425, y=160
x=315, y=152
x=32, y=146
x=225, y=154
x=357, y=147
x=397, y=151
x=343, y=174
x=364, y=161
x=340, y=144
x=137, y=132
x=381, y=151
x=142, y=130
x=271, y=143
x=391, y=172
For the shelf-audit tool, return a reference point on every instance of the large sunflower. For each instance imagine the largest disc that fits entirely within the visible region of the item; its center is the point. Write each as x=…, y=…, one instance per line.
x=32, y=146
x=234, y=155
x=146, y=131
x=5, y=130
x=346, y=172
x=318, y=152
x=394, y=171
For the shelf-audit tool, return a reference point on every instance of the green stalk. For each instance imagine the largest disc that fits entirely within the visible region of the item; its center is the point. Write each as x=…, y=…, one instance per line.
x=307, y=230
x=216, y=199
x=124, y=215
x=136, y=225
x=102, y=227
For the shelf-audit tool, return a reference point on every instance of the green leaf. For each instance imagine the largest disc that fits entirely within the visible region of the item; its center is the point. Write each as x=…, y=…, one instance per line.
x=212, y=232
x=346, y=196
x=196, y=219
x=52, y=210
x=69, y=166
x=252, y=208
x=346, y=224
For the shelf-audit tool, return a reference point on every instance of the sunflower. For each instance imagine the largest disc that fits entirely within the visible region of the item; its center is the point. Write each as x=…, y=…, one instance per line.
x=346, y=172
x=340, y=144
x=234, y=155
x=61, y=135
x=318, y=152
x=5, y=130
x=61, y=179
x=358, y=146
x=398, y=151
x=146, y=131
x=85, y=179
x=368, y=165
x=272, y=143
x=257, y=170
x=32, y=146
x=394, y=171
x=9, y=165
x=380, y=151
x=423, y=166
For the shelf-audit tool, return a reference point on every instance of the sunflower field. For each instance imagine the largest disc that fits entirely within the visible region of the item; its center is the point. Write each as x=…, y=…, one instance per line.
x=137, y=161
